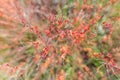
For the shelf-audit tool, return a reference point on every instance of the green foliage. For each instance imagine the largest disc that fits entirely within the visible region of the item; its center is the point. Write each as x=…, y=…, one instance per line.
x=29, y=50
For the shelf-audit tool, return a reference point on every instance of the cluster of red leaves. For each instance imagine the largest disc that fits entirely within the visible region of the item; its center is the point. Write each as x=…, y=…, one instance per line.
x=58, y=30
x=11, y=69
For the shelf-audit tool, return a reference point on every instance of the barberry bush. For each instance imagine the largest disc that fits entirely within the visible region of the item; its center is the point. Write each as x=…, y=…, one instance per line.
x=59, y=39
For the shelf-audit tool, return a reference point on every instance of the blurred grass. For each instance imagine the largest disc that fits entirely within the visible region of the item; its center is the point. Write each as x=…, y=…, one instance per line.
x=10, y=37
